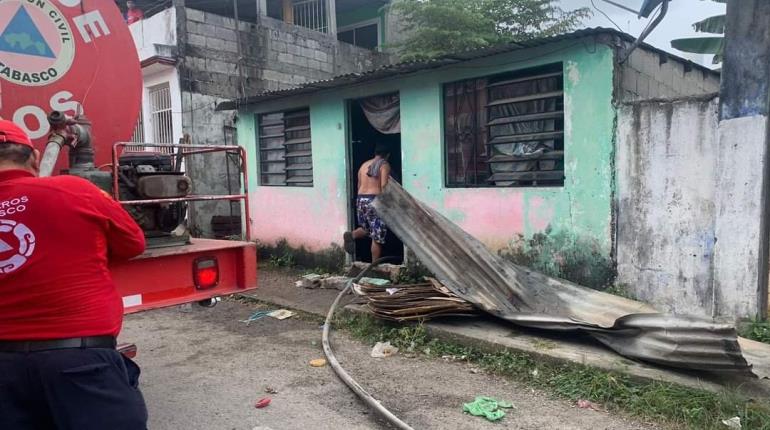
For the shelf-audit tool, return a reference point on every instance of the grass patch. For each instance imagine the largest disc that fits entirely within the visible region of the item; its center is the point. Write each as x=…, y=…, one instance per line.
x=622, y=290
x=281, y=254
x=675, y=405
x=757, y=330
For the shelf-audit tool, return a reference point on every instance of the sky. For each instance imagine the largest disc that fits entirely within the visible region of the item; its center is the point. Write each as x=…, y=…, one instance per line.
x=677, y=23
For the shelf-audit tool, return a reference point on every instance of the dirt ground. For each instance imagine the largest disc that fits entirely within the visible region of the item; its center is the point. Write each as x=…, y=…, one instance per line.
x=205, y=369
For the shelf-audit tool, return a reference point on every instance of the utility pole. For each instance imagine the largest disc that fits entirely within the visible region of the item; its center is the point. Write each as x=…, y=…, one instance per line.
x=742, y=248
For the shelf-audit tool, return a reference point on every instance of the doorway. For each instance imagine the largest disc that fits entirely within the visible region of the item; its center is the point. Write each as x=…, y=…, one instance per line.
x=363, y=139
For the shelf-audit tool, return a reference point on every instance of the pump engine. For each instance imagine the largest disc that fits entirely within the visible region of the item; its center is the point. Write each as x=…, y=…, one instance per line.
x=142, y=175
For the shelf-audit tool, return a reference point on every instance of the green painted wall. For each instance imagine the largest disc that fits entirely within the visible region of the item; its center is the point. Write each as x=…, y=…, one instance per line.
x=579, y=214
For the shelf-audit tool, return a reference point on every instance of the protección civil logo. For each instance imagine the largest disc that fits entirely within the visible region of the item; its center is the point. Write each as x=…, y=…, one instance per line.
x=37, y=46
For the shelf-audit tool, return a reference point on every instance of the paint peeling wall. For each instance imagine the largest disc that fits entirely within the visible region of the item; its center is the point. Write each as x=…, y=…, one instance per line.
x=316, y=217
x=738, y=262
x=667, y=156
x=498, y=215
x=311, y=217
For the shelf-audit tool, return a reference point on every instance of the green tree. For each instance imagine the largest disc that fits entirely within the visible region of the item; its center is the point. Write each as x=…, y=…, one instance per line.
x=705, y=45
x=440, y=27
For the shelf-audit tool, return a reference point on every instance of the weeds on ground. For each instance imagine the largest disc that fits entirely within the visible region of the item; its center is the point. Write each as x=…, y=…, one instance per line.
x=757, y=330
x=315, y=271
x=413, y=272
x=283, y=254
x=283, y=260
x=621, y=290
x=560, y=254
x=676, y=405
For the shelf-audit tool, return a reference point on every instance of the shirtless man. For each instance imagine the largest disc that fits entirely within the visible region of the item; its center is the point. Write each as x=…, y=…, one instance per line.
x=372, y=178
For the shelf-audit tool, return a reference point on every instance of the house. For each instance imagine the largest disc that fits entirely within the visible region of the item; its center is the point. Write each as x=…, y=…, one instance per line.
x=197, y=53
x=565, y=153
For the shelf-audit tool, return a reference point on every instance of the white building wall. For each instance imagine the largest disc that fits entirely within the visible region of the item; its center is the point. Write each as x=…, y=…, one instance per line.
x=666, y=160
x=739, y=197
x=169, y=75
x=159, y=29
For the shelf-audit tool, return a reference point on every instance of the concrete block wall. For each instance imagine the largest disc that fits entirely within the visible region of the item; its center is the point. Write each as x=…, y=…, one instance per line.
x=648, y=75
x=294, y=55
x=667, y=159
x=209, y=172
x=274, y=55
x=211, y=63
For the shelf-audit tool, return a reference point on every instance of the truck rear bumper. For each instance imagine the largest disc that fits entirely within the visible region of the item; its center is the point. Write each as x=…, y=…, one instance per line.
x=164, y=276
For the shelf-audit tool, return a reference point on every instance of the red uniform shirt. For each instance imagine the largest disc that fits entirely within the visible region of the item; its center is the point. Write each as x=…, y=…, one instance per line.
x=56, y=236
x=134, y=15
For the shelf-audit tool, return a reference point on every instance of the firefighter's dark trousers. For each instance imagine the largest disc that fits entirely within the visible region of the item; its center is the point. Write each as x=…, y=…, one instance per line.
x=70, y=389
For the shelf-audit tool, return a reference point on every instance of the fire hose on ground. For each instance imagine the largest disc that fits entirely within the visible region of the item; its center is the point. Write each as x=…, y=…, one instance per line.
x=341, y=373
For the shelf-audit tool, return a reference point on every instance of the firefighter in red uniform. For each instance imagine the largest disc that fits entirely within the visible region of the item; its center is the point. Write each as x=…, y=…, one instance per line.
x=59, y=310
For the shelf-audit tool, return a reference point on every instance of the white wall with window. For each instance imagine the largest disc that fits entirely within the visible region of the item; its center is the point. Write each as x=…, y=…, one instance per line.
x=161, y=117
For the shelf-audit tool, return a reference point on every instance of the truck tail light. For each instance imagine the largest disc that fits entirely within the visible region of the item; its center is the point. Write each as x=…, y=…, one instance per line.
x=206, y=273
x=127, y=349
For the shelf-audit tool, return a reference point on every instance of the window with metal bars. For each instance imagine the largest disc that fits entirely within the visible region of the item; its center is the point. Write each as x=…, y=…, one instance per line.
x=310, y=14
x=161, y=115
x=506, y=130
x=138, y=135
x=285, y=151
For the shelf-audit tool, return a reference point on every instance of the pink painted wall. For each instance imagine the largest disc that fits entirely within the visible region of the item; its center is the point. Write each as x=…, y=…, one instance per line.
x=299, y=216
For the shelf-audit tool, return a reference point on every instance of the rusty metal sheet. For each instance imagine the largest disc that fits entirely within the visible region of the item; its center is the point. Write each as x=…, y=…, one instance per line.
x=527, y=298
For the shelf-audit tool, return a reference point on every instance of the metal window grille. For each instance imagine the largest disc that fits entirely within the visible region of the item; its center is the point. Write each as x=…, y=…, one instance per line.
x=161, y=115
x=285, y=149
x=506, y=130
x=311, y=14
x=138, y=135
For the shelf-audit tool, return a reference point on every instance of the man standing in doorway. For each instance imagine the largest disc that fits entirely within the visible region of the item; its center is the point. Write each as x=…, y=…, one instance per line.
x=372, y=178
x=60, y=312
x=133, y=13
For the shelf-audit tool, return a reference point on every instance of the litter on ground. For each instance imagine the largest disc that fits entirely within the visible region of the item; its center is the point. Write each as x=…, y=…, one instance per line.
x=587, y=404
x=383, y=350
x=258, y=315
x=378, y=282
x=281, y=314
x=487, y=407
x=262, y=403
x=733, y=423
x=313, y=281
x=318, y=362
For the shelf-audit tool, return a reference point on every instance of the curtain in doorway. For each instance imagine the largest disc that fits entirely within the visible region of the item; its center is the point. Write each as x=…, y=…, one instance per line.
x=383, y=113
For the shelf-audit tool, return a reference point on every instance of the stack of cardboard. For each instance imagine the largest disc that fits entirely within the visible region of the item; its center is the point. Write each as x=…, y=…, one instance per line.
x=412, y=302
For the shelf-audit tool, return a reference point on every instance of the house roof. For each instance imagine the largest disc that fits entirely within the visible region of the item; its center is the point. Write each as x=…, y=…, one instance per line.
x=403, y=68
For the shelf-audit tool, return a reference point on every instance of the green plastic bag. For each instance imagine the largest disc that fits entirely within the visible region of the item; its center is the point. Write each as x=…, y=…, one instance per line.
x=487, y=407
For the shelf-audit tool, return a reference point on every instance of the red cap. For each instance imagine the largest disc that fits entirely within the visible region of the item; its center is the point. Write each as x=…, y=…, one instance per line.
x=12, y=133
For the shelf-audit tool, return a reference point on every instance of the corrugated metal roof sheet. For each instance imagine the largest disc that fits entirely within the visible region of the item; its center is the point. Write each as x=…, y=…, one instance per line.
x=404, y=68
x=527, y=298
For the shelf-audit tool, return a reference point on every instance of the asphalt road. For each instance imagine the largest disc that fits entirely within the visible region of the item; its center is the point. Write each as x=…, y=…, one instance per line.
x=205, y=369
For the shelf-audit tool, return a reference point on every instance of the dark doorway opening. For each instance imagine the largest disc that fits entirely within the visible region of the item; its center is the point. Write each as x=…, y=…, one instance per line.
x=363, y=139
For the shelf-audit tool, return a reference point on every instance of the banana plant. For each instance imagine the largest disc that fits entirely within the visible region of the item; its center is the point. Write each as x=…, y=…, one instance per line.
x=706, y=45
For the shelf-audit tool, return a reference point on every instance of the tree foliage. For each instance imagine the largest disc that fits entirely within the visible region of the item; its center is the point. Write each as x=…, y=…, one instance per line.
x=705, y=45
x=436, y=28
